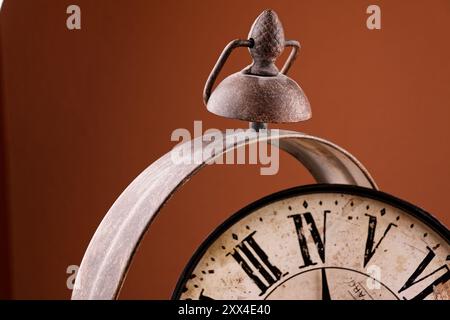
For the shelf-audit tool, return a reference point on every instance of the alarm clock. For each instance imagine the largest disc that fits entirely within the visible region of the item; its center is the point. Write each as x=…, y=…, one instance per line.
x=339, y=239
x=324, y=242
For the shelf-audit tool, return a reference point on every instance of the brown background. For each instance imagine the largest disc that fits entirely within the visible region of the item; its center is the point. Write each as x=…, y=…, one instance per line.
x=84, y=112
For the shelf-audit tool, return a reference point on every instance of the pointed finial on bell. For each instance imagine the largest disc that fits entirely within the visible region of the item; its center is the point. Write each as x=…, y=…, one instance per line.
x=260, y=92
x=268, y=33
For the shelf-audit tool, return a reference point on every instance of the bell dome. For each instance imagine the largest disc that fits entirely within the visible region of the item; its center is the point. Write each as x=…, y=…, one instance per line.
x=260, y=93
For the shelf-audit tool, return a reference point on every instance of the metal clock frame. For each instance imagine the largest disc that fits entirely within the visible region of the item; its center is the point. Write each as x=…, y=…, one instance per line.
x=116, y=240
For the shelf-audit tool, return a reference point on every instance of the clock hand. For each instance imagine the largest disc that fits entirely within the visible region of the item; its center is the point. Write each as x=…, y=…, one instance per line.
x=325, y=290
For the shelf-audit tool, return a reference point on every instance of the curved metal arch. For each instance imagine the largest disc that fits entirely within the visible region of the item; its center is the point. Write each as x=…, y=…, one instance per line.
x=109, y=254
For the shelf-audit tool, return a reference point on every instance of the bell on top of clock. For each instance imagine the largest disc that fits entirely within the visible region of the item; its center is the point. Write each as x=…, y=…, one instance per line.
x=260, y=93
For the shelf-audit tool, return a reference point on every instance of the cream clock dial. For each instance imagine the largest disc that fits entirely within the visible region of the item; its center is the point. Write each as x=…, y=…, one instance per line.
x=326, y=242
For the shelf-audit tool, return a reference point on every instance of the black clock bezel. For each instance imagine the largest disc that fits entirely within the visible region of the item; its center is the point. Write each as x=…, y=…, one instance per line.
x=389, y=199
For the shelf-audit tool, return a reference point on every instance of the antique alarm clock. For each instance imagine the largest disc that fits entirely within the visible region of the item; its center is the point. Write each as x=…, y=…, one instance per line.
x=338, y=239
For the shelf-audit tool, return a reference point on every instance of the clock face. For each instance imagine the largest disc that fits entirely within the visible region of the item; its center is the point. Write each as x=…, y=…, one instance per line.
x=322, y=242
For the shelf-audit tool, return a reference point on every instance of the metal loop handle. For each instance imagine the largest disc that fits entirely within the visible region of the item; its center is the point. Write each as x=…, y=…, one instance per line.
x=292, y=56
x=244, y=43
x=221, y=62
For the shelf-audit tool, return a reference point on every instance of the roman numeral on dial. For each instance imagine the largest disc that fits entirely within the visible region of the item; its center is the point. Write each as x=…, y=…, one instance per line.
x=201, y=296
x=412, y=280
x=255, y=262
x=204, y=297
x=310, y=225
x=370, y=242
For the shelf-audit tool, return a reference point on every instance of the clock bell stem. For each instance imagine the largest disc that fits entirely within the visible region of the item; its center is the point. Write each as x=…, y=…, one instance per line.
x=258, y=126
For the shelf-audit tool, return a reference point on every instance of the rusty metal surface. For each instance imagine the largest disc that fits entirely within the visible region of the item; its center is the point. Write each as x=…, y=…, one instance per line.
x=117, y=238
x=268, y=36
x=260, y=92
x=260, y=99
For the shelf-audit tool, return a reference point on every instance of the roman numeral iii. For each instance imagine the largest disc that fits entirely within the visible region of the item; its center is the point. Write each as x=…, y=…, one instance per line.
x=255, y=262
